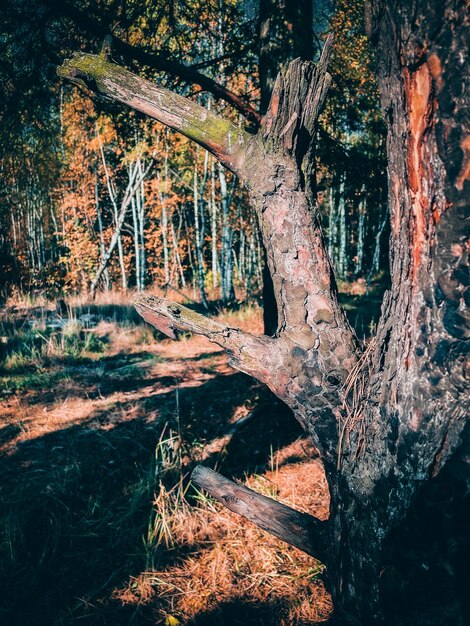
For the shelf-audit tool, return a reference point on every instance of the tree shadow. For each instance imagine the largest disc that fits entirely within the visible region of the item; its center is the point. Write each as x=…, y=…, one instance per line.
x=120, y=313
x=427, y=580
x=75, y=503
x=243, y=612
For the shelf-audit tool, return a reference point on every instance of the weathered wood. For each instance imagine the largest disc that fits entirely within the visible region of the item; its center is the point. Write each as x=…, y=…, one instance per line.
x=248, y=353
x=159, y=60
x=219, y=136
x=301, y=530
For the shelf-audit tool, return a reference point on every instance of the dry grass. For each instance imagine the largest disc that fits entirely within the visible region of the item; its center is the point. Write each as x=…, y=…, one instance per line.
x=352, y=428
x=98, y=522
x=231, y=561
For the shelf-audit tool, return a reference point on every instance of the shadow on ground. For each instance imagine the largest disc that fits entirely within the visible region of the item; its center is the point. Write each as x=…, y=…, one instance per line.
x=75, y=503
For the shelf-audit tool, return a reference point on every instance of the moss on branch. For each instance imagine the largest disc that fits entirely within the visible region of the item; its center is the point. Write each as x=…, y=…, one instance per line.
x=218, y=135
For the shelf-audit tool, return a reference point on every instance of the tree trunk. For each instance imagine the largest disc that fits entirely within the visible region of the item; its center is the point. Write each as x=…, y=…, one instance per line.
x=388, y=419
x=226, y=256
x=199, y=236
x=399, y=520
x=214, y=255
x=101, y=235
x=135, y=180
x=164, y=218
x=285, y=31
x=361, y=218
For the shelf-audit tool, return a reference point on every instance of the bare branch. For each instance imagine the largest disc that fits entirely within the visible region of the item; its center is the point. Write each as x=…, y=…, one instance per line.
x=295, y=528
x=248, y=353
x=218, y=135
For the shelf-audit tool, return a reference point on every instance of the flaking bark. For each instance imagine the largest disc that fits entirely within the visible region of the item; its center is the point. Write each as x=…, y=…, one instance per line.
x=308, y=362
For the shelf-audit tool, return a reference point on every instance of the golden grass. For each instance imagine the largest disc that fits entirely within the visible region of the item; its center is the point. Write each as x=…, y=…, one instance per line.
x=181, y=557
x=231, y=560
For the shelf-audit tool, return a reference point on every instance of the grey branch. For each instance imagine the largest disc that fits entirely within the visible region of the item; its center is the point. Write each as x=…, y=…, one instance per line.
x=248, y=353
x=98, y=73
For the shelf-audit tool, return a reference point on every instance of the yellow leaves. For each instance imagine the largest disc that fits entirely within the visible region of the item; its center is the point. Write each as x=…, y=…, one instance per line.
x=170, y=620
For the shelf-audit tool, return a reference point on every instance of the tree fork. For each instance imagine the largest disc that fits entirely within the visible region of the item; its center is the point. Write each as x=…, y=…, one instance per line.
x=411, y=399
x=307, y=364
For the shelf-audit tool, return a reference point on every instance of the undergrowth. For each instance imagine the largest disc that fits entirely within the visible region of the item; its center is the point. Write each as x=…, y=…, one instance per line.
x=99, y=523
x=33, y=358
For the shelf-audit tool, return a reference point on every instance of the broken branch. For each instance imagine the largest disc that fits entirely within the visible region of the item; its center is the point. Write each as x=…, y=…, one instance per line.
x=248, y=353
x=305, y=532
x=218, y=135
x=160, y=61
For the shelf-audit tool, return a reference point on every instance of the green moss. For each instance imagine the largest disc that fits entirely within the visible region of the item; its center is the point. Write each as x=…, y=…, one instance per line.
x=215, y=130
x=88, y=66
x=204, y=127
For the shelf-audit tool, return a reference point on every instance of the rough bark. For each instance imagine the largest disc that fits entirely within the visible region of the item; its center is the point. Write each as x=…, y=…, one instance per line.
x=388, y=422
x=248, y=353
x=308, y=363
x=285, y=32
x=415, y=402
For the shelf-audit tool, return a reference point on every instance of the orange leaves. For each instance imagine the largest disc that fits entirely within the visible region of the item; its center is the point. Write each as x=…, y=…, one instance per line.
x=113, y=232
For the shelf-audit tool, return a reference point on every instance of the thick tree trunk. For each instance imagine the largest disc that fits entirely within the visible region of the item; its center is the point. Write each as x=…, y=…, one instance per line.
x=388, y=421
x=285, y=32
x=398, y=511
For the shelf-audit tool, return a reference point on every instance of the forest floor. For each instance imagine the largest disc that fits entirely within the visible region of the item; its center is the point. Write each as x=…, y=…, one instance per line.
x=101, y=423
x=99, y=431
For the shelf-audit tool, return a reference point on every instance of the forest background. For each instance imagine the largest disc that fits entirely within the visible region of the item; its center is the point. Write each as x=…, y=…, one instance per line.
x=94, y=197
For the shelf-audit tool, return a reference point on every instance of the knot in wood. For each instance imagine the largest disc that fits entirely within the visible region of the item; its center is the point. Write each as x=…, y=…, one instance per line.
x=230, y=499
x=333, y=378
x=175, y=310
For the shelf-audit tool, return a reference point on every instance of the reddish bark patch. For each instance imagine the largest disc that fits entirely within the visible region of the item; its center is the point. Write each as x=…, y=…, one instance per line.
x=435, y=67
x=274, y=105
x=418, y=95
